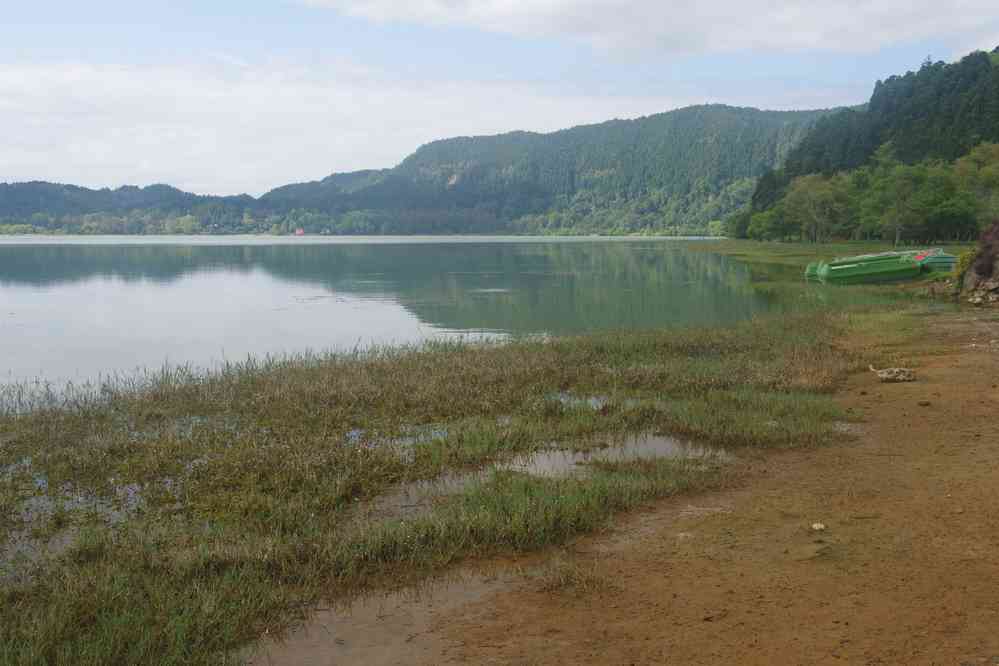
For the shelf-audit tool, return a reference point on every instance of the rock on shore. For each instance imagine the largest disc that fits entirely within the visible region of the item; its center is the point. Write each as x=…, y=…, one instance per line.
x=981, y=281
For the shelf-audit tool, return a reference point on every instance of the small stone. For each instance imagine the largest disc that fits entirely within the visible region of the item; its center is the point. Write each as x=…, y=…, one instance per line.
x=925, y=403
x=818, y=527
x=891, y=375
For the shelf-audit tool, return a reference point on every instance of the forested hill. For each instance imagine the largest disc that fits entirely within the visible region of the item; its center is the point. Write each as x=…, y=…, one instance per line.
x=26, y=199
x=918, y=164
x=676, y=171
x=941, y=111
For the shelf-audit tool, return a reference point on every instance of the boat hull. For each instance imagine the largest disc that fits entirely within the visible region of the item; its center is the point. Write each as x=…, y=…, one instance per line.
x=881, y=267
x=900, y=268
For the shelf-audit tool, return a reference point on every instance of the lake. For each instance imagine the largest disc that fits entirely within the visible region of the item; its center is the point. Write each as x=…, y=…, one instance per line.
x=73, y=309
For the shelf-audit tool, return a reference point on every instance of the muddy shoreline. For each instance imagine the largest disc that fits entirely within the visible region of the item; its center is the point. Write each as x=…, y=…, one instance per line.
x=902, y=573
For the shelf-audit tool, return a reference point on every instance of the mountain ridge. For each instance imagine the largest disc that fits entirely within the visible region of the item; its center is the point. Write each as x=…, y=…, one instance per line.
x=682, y=167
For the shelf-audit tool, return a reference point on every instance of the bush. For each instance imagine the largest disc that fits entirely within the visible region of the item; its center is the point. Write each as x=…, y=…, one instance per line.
x=964, y=262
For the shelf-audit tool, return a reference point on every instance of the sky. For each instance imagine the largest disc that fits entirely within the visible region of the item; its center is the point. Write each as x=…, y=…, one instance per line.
x=234, y=96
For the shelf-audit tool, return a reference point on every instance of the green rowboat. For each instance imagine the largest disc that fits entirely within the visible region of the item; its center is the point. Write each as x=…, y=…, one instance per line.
x=881, y=267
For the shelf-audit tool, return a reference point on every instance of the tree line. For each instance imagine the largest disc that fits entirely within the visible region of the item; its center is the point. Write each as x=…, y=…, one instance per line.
x=932, y=200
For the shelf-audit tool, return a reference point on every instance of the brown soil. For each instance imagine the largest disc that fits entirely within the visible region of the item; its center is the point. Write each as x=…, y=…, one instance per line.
x=906, y=571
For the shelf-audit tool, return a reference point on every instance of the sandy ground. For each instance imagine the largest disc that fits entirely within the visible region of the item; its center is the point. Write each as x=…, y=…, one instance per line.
x=906, y=571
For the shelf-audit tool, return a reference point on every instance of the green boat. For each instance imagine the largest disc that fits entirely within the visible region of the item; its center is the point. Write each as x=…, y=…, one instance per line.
x=913, y=255
x=881, y=267
x=869, y=269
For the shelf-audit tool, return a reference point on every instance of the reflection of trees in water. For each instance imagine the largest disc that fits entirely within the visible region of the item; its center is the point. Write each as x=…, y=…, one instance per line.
x=519, y=287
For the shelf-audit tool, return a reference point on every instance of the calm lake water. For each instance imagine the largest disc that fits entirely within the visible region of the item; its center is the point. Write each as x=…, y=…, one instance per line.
x=77, y=308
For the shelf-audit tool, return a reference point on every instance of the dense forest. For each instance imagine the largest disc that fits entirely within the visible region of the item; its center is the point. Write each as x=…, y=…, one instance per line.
x=918, y=163
x=679, y=172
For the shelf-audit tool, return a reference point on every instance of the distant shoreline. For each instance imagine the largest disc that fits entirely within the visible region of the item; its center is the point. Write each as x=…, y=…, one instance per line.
x=317, y=239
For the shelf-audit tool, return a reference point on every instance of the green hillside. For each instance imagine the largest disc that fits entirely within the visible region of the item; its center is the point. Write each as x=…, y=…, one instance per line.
x=940, y=111
x=670, y=172
x=678, y=169
x=917, y=163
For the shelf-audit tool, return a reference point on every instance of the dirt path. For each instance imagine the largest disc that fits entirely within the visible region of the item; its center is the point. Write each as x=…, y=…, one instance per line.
x=907, y=571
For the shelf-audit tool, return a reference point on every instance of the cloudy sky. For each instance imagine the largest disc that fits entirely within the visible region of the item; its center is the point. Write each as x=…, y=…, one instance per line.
x=235, y=96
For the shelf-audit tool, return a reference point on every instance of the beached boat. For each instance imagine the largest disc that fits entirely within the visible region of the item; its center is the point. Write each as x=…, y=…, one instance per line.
x=881, y=267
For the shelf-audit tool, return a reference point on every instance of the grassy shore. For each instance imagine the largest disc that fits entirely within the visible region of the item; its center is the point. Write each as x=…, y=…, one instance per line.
x=175, y=518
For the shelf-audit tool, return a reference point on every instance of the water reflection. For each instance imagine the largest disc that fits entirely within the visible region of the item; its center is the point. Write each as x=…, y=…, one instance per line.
x=72, y=311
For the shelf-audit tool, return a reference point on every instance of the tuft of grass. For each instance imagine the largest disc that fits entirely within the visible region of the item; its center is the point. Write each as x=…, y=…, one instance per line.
x=564, y=576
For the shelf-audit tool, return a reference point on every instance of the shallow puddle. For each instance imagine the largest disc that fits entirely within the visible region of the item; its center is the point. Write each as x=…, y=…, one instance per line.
x=560, y=462
x=24, y=547
x=408, y=437
x=23, y=550
x=570, y=401
x=413, y=499
x=393, y=628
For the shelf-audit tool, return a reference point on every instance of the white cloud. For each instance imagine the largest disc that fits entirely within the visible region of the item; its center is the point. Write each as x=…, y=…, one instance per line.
x=698, y=25
x=231, y=129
